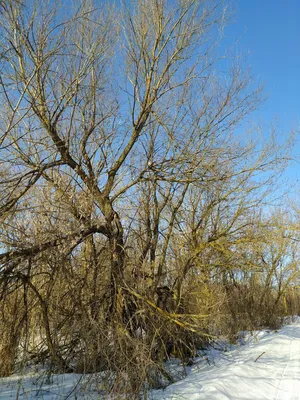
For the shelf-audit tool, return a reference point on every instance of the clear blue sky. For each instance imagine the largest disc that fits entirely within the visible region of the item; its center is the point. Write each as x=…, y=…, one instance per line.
x=270, y=31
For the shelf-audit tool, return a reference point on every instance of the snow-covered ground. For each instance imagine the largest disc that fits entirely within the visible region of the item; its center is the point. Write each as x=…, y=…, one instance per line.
x=37, y=386
x=266, y=366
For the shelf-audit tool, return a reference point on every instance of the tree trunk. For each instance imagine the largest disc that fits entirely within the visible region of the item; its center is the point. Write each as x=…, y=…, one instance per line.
x=117, y=260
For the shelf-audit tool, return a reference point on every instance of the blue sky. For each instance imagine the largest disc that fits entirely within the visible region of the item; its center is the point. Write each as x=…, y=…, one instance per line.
x=270, y=31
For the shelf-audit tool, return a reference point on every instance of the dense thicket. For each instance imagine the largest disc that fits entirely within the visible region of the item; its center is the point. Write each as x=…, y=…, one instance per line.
x=132, y=199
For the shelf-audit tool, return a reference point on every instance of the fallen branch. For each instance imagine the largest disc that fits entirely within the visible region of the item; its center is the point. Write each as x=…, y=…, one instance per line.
x=259, y=356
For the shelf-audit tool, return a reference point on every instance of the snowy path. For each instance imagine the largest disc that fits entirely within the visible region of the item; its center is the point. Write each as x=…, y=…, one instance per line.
x=236, y=376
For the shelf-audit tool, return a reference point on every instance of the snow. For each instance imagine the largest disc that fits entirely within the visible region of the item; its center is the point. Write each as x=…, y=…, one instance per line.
x=36, y=386
x=235, y=375
x=265, y=366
